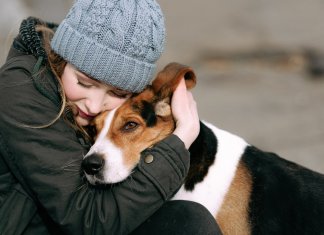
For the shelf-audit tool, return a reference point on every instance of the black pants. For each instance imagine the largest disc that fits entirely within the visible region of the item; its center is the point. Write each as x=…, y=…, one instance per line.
x=179, y=218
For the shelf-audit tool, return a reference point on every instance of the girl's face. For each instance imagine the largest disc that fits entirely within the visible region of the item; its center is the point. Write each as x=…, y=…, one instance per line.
x=88, y=96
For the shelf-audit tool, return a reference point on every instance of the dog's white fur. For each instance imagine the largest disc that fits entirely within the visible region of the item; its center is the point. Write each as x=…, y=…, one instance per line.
x=212, y=190
x=241, y=188
x=114, y=169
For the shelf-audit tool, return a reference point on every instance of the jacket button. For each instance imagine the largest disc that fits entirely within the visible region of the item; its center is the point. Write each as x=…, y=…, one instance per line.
x=149, y=159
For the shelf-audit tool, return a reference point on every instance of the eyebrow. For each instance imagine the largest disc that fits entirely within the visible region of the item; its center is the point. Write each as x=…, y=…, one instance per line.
x=84, y=76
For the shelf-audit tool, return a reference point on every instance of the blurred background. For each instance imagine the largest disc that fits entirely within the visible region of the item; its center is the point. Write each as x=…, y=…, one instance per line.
x=259, y=64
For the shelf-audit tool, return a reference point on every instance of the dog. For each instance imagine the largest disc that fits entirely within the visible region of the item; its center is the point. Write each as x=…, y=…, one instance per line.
x=248, y=191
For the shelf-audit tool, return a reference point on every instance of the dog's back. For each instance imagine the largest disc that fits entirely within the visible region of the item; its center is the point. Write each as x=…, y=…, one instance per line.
x=286, y=198
x=251, y=191
x=247, y=190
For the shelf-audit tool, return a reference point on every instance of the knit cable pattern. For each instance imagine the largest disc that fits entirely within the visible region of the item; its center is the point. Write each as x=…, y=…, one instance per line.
x=115, y=41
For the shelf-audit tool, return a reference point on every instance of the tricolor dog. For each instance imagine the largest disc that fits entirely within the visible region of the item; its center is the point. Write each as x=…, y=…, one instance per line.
x=248, y=191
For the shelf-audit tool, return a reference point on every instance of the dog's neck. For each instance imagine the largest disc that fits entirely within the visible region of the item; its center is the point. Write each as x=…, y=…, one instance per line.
x=202, y=155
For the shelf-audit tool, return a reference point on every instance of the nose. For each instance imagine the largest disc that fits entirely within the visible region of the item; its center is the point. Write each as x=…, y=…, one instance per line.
x=94, y=106
x=92, y=164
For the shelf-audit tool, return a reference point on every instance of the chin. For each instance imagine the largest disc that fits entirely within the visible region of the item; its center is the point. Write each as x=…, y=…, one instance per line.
x=82, y=121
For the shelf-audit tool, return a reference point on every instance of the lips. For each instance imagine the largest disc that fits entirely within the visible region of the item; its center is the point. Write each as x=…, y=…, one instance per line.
x=84, y=115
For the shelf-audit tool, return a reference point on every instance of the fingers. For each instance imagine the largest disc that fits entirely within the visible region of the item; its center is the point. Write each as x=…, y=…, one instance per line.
x=179, y=93
x=185, y=113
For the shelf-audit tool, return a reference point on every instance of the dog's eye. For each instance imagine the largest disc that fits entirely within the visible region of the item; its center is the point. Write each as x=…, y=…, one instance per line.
x=130, y=126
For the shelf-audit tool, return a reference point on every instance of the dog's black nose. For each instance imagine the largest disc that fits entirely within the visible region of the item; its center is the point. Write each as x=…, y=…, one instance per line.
x=92, y=164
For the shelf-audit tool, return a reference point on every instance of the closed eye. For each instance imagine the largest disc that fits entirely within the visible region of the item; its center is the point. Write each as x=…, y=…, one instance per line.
x=119, y=95
x=84, y=84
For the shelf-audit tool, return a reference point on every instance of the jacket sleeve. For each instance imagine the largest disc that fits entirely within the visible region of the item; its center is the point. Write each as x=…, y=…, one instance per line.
x=48, y=161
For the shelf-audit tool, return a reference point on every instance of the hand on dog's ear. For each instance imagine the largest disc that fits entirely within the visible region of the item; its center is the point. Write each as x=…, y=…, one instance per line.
x=168, y=79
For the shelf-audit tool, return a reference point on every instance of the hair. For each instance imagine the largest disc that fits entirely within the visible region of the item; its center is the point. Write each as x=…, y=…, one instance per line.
x=57, y=64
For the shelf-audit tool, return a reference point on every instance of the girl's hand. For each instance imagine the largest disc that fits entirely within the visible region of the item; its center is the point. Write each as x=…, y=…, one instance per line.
x=185, y=113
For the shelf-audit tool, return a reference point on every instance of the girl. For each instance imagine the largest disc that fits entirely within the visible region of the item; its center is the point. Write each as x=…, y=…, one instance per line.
x=54, y=82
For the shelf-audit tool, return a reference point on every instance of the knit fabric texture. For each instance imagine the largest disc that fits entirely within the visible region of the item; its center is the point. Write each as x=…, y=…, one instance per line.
x=114, y=41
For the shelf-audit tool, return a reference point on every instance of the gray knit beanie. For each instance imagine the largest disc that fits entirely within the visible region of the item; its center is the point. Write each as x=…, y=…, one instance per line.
x=113, y=41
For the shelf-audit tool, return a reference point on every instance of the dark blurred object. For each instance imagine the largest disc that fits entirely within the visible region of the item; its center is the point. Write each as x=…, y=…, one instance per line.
x=308, y=61
x=315, y=63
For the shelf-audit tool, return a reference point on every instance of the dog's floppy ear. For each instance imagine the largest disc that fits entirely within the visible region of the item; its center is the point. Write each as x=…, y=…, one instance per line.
x=168, y=79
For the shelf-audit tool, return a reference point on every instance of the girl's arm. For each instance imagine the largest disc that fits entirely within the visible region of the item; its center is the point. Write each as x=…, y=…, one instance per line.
x=47, y=163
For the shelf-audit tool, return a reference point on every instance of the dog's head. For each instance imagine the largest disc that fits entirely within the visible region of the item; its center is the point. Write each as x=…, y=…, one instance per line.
x=140, y=122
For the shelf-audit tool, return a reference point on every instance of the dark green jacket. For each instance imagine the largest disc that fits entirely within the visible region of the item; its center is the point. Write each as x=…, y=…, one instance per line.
x=42, y=190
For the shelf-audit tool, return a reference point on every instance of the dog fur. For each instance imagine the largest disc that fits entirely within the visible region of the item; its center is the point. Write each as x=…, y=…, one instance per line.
x=248, y=191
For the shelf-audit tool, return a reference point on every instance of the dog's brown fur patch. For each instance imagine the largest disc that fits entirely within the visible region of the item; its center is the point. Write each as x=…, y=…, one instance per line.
x=134, y=141
x=233, y=216
x=99, y=121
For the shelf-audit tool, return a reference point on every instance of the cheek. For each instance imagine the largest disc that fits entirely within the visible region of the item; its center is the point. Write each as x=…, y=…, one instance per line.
x=113, y=102
x=71, y=89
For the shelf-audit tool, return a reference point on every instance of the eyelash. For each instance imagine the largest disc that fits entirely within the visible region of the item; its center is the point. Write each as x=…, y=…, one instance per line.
x=84, y=85
x=121, y=96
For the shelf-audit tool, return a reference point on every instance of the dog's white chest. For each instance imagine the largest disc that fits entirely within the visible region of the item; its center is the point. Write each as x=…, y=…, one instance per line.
x=212, y=190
